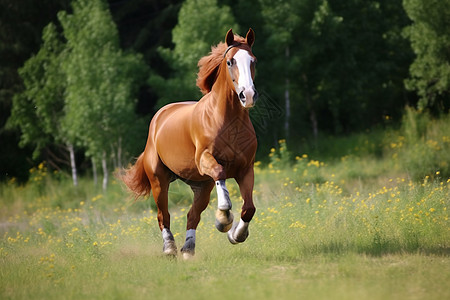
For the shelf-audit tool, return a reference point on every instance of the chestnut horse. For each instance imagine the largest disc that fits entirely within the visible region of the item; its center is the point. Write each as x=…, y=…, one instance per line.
x=204, y=143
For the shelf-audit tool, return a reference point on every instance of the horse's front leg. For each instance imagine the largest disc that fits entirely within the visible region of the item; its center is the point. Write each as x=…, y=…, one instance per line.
x=224, y=216
x=208, y=165
x=239, y=231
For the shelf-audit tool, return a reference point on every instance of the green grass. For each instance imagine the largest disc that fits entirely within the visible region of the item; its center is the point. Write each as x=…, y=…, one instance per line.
x=302, y=244
x=137, y=271
x=359, y=226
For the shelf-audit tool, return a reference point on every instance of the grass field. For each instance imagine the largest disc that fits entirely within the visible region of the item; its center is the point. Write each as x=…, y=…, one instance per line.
x=360, y=226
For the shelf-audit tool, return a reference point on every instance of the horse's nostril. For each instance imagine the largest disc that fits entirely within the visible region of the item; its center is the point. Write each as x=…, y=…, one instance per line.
x=241, y=95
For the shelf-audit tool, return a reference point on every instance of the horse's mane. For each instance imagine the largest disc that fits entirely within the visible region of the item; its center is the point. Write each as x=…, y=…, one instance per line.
x=209, y=65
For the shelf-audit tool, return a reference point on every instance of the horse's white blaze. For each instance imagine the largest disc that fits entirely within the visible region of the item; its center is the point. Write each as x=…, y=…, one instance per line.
x=245, y=81
x=243, y=61
x=223, y=196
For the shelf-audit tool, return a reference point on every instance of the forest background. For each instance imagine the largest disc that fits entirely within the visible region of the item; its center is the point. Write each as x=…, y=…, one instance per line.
x=80, y=80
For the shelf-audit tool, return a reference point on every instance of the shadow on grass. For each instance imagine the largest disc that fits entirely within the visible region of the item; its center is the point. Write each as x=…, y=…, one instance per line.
x=336, y=249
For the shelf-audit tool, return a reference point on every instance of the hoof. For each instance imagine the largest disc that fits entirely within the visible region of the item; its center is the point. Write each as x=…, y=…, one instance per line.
x=237, y=240
x=231, y=239
x=188, y=249
x=224, y=220
x=170, y=249
x=188, y=255
x=239, y=233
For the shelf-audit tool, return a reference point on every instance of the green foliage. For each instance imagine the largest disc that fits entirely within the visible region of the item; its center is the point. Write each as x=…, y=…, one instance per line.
x=21, y=25
x=101, y=79
x=414, y=125
x=422, y=148
x=38, y=110
x=342, y=63
x=20, y=35
x=80, y=88
x=201, y=24
x=280, y=157
x=429, y=35
x=336, y=59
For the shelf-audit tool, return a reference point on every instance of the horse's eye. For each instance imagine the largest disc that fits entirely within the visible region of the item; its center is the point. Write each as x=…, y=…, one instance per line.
x=229, y=63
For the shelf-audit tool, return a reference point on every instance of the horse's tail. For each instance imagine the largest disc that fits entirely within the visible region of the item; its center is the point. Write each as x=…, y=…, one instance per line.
x=136, y=179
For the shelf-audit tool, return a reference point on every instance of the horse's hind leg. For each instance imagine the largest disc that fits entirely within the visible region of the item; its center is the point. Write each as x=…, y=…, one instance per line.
x=160, y=180
x=201, y=199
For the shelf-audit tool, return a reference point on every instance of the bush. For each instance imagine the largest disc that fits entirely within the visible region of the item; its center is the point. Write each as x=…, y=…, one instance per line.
x=422, y=148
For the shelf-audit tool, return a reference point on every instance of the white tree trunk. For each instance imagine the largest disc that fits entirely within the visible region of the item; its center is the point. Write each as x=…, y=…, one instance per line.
x=105, y=171
x=73, y=164
x=94, y=171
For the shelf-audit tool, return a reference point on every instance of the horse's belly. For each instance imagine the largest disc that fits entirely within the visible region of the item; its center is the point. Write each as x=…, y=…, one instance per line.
x=178, y=156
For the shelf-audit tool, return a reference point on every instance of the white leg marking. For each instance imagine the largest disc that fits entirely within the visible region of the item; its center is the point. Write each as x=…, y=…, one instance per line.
x=242, y=227
x=169, y=247
x=167, y=235
x=239, y=232
x=223, y=196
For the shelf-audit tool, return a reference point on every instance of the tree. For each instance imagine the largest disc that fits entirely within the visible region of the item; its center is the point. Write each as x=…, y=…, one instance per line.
x=299, y=33
x=429, y=35
x=101, y=82
x=281, y=19
x=38, y=110
x=201, y=24
x=21, y=25
x=339, y=63
x=81, y=92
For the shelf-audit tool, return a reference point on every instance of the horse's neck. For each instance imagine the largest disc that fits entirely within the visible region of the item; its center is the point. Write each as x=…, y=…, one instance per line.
x=223, y=100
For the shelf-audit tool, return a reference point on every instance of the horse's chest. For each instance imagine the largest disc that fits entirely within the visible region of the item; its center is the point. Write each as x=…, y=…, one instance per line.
x=234, y=151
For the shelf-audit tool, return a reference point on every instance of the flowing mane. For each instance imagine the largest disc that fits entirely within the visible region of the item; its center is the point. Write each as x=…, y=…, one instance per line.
x=209, y=65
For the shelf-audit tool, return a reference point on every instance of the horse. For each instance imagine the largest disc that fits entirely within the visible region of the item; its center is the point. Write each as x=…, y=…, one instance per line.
x=204, y=143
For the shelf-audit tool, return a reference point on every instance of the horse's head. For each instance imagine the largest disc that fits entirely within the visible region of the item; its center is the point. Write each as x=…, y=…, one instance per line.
x=241, y=66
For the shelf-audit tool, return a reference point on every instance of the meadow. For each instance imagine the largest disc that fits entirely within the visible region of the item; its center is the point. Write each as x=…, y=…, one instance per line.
x=370, y=222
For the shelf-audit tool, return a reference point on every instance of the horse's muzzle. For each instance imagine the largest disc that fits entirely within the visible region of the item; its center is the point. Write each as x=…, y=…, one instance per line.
x=248, y=97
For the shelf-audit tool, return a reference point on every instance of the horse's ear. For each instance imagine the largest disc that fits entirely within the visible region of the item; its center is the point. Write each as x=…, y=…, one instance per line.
x=230, y=37
x=250, y=37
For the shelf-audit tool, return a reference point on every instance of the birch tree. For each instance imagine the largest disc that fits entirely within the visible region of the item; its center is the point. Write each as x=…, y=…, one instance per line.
x=38, y=110
x=101, y=82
